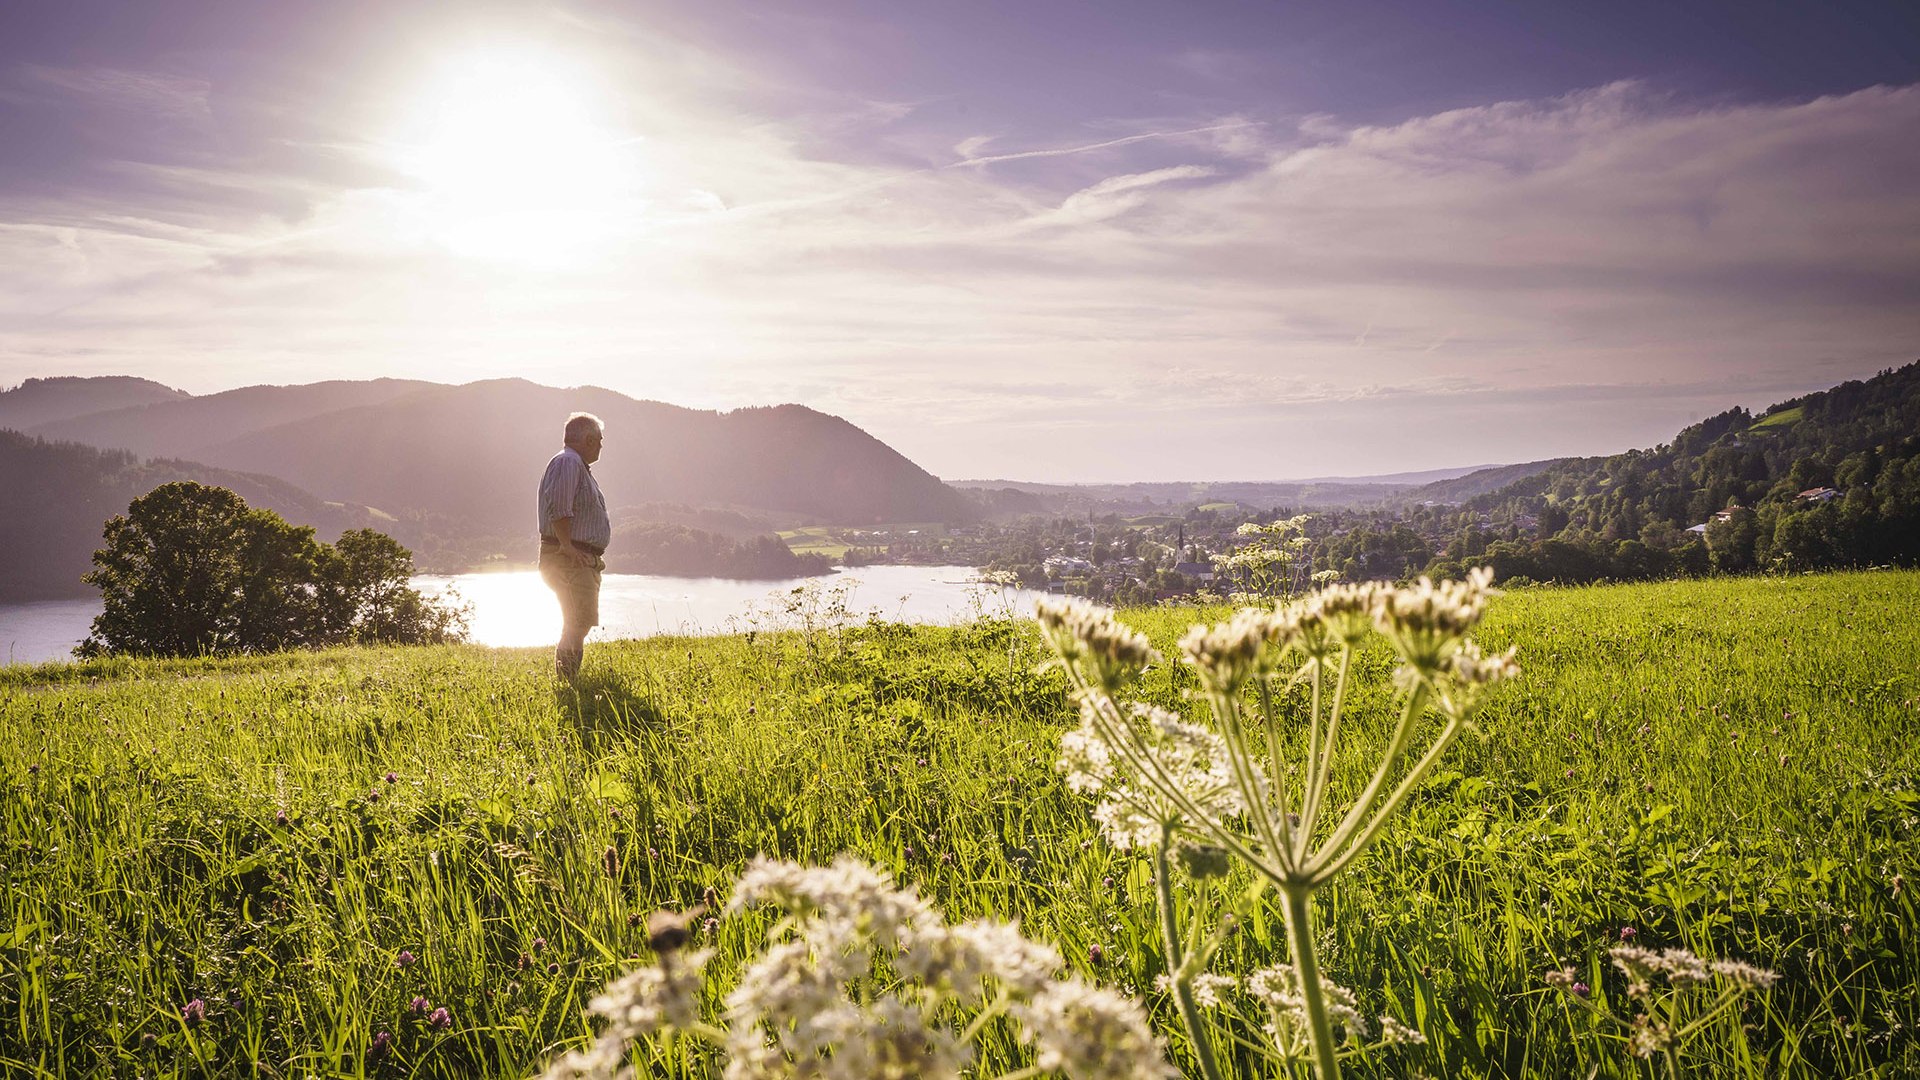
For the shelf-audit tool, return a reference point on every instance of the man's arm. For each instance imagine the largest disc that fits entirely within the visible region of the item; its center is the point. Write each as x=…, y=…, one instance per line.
x=563, y=531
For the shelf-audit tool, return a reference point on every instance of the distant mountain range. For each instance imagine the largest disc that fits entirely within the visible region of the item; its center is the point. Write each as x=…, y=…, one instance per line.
x=448, y=470
x=425, y=448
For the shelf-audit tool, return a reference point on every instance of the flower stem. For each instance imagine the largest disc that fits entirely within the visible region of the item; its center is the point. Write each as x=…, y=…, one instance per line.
x=1307, y=775
x=1326, y=1061
x=1339, y=860
x=1389, y=760
x=1320, y=769
x=1272, y=834
x=1182, y=987
x=1121, y=735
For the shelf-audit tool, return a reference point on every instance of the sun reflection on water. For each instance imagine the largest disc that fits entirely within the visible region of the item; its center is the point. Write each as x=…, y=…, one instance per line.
x=517, y=609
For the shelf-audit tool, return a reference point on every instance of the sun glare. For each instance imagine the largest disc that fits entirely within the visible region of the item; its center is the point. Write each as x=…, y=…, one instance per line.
x=514, y=158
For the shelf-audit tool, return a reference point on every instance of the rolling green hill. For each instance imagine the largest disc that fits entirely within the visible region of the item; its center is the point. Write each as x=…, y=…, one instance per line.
x=1828, y=479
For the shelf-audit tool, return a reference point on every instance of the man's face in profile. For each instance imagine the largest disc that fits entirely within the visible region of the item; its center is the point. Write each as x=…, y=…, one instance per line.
x=589, y=447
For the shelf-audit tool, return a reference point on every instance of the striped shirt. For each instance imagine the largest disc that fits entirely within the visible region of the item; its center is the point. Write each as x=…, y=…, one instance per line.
x=568, y=490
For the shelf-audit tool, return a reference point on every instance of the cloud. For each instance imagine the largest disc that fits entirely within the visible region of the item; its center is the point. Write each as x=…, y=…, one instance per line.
x=968, y=159
x=158, y=94
x=1113, y=196
x=1260, y=297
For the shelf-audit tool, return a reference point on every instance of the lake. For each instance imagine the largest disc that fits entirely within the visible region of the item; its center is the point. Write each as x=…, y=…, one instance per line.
x=517, y=609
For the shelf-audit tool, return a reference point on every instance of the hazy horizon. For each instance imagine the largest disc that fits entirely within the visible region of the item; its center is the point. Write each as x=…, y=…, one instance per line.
x=1062, y=243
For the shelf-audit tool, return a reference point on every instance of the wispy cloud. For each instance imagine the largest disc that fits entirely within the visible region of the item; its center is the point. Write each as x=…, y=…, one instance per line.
x=171, y=97
x=1113, y=196
x=968, y=159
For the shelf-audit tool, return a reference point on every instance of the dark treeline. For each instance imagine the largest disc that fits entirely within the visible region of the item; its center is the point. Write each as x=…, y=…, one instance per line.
x=55, y=499
x=1828, y=480
x=1831, y=479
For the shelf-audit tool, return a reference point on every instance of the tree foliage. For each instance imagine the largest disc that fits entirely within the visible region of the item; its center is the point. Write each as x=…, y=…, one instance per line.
x=190, y=569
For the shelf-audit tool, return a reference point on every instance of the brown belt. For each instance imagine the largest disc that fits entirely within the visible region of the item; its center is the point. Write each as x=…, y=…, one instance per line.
x=548, y=541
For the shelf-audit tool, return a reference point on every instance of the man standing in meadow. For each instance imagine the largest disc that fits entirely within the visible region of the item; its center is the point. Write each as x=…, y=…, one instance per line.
x=574, y=531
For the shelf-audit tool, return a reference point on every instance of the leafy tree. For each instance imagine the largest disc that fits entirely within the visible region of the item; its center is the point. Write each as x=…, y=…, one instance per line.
x=368, y=599
x=169, y=573
x=1731, y=541
x=190, y=569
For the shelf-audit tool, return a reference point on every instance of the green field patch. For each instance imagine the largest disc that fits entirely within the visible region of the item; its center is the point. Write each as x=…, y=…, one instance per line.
x=1724, y=765
x=1785, y=418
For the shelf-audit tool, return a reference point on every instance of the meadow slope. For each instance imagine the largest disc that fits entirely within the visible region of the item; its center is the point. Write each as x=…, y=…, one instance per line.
x=1727, y=765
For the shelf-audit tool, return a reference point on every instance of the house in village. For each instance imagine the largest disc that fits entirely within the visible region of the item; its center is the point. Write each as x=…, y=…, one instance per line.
x=1719, y=516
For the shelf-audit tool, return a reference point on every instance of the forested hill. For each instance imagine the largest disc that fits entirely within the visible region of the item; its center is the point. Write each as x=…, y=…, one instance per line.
x=1831, y=478
x=55, y=499
x=36, y=402
x=1459, y=489
x=471, y=454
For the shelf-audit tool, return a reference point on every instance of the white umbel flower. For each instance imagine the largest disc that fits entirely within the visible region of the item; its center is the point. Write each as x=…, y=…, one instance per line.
x=1209, y=990
x=962, y=957
x=652, y=999
x=895, y=1040
x=1091, y=1033
x=1107, y=651
x=1279, y=988
x=1136, y=807
x=1425, y=621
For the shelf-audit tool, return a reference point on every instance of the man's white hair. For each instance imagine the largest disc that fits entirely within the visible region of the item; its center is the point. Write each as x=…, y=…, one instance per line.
x=582, y=424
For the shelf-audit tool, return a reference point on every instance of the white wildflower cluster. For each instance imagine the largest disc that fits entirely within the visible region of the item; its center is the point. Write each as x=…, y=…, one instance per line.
x=1395, y=1033
x=1468, y=666
x=1425, y=621
x=1683, y=970
x=1466, y=676
x=847, y=903
x=1089, y=1031
x=810, y=1005
x=1265, y=565
x=1227, y=654
x=1157, y=780
x=641, y=1004
x=1649, y=1036
x=1278, y=988
x=1134, y=810
x=1107, y=651
x=1344, y=613
x=1209, y=990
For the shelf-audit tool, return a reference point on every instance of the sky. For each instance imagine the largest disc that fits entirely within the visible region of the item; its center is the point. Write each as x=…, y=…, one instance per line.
x=1034, y=240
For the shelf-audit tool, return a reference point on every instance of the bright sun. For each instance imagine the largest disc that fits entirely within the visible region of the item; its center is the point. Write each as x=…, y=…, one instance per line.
x=514, y=160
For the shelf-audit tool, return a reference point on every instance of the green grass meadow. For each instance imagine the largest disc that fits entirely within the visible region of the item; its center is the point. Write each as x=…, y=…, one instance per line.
x=1726, y=765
